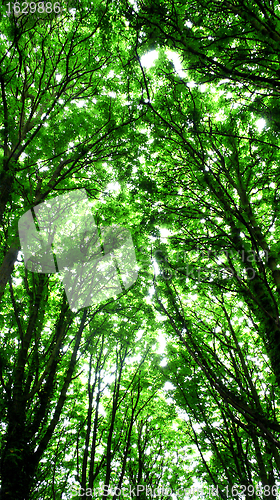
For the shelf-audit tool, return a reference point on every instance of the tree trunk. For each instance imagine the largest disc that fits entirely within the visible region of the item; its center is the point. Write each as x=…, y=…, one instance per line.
x=7, y=267
x=17, y=465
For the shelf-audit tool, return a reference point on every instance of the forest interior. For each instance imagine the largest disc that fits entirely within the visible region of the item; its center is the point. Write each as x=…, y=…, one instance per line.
x=139, y=141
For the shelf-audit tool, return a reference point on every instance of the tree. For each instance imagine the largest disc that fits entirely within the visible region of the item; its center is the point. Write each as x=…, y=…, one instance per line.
x=59, y=126
x=216, y=190
x=167, y=151
x=65, y=61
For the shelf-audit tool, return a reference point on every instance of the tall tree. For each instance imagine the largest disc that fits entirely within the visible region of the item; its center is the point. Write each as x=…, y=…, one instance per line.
x=61, y=121
x=211, y=178
x=80, y=110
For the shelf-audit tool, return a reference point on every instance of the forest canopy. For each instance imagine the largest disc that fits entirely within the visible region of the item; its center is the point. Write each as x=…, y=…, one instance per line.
x=165, y=114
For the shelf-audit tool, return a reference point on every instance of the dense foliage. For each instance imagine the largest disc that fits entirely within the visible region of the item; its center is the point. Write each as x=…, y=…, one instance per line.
x=182, y=150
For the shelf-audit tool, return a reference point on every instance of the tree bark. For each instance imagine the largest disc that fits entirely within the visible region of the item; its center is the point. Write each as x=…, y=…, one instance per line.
x=7, y=267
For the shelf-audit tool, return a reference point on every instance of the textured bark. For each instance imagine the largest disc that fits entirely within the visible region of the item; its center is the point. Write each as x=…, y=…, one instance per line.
x=7, y=267
x=6, y=183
